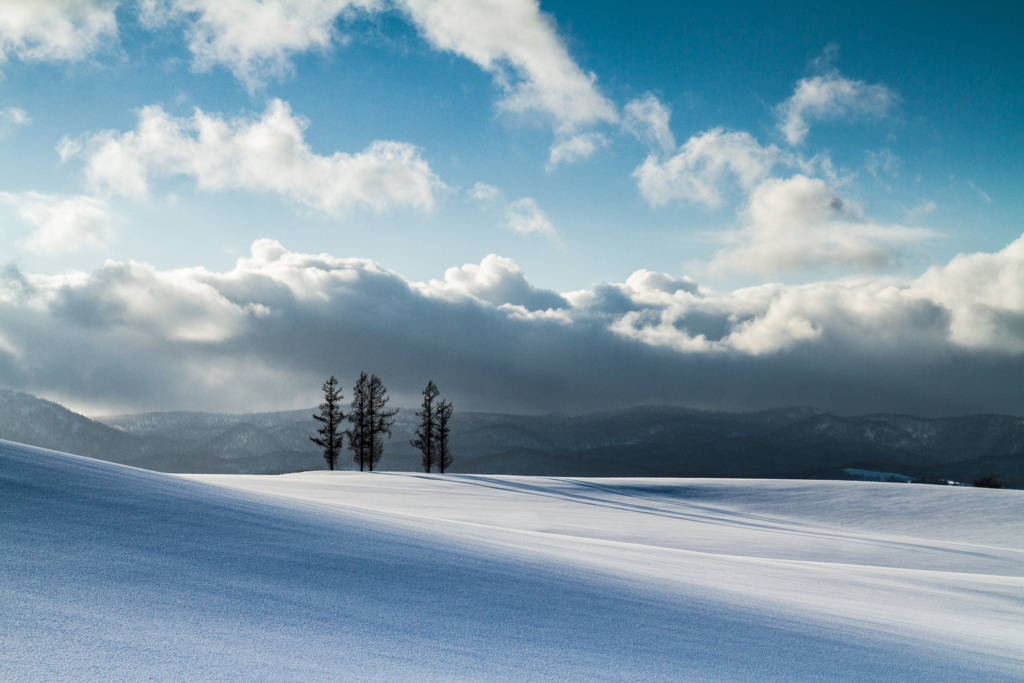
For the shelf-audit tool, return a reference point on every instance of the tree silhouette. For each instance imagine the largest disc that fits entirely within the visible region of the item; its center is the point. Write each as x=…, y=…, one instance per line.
x=428, y=425
x=330, y=416
x=443, y=414
x=370, y=420
x=379, y=419
x=356, y=434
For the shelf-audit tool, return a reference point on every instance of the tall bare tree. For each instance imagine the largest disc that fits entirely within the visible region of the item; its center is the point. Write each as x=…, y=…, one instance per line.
x=428, y=425
x=330, y=417
x=443, y=414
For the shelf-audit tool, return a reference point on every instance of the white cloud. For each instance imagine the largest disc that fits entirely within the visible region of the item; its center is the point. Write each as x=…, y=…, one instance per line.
x=526, y=218
x=61, y=224
x=985, y=295
x=976, y=302
x=268, y=154
x=647, y=119
x=519, y=45
x=698, y=171
x=266, y=332
x=510, y=39
x=645, y=285
x=254, y=39
x=55, y=30
x=827, y=97
x=522, y=216
x=790, y=224
x=496, y=280
x=482, y=192
x=572, y=149
x=801, y=223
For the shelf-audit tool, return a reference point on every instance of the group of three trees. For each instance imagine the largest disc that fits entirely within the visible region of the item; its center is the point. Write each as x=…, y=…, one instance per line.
x=370, y=420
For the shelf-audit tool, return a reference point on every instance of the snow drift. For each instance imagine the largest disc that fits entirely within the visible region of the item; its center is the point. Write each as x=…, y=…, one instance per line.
x=109, y=572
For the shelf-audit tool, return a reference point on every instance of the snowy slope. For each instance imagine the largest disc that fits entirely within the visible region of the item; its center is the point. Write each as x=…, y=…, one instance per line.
x=113, y=573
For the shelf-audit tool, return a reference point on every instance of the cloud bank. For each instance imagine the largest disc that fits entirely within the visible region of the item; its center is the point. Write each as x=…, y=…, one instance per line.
x=264, y=334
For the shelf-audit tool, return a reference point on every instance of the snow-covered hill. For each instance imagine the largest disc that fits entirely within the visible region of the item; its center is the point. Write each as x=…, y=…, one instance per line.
x=114, y=573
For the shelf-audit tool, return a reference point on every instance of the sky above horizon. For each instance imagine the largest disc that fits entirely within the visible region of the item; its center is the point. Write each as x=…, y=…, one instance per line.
x=214, y=204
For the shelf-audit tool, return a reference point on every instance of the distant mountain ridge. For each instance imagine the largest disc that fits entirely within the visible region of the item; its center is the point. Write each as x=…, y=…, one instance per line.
x=642, y=441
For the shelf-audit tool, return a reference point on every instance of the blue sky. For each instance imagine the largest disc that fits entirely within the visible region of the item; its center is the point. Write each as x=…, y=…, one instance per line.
x=732, y=205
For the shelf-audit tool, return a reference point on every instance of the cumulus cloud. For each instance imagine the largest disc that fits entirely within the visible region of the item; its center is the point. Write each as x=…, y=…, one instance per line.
x=523, y=216
x=265, y=154
x=784, y=224
x=263, y=335
x=496, y=280
x=510, y=39
x=255, y=40
x=700, y=168
x=828, y=97
x=61, y=224
x=55, y=30
x=800, y=223
x=985, y=296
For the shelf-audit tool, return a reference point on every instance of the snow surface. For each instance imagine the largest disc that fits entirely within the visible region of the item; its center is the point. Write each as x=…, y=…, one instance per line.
x=114, y=573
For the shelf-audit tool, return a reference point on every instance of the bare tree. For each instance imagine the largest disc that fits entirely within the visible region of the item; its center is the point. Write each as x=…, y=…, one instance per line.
x=443, y=414
x=428, y=425
x=330, y=416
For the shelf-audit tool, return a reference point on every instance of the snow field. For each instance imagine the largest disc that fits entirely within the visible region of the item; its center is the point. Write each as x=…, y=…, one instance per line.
x=109, y=572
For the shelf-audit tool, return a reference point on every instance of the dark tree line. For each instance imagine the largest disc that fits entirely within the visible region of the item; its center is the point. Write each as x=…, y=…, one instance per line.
x=369, y=417
x=433, y=431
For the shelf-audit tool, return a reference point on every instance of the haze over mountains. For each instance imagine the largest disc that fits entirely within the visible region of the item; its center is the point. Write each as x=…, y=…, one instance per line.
x=646, y=441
